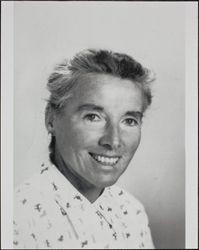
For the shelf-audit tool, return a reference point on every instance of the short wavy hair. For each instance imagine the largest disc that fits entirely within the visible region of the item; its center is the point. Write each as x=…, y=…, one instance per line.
x=68, y=73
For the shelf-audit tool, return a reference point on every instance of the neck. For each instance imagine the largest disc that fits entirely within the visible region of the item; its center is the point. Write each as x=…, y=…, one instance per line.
x=88, y=190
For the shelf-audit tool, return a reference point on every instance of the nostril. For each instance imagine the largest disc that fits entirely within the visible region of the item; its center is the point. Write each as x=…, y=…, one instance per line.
x=108, y=146
x=105, y=142
x=111, y=137
x=109, y=143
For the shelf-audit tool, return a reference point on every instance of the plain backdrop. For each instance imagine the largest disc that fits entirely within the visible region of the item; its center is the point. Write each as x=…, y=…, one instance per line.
x=153, y=33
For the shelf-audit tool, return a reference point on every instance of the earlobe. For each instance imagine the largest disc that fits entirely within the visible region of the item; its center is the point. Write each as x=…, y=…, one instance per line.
x=49, y=121
x=50, y=128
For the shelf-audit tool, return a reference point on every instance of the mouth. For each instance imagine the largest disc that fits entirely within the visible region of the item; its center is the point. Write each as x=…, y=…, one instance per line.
x=105, y=160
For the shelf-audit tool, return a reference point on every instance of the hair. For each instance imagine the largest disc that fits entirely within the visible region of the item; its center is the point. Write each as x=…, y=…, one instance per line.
x=66, y=75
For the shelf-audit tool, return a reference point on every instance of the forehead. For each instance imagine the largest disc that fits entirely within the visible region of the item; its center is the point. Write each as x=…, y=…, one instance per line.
x=108, y=91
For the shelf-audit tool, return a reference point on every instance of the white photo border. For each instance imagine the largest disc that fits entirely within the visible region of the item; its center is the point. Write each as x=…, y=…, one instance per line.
x=7, y=123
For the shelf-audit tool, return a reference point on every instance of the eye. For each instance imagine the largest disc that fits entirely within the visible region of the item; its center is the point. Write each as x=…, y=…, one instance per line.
x=92, y=117
x=130, y=122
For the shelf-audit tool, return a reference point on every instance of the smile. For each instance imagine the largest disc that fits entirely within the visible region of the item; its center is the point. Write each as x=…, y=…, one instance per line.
x=105, y=160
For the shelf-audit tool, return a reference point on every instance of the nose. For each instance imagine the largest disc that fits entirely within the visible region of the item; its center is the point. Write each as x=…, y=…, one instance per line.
x=111, y=139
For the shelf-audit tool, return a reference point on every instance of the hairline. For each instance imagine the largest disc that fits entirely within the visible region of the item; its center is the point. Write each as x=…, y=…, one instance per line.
x=92, y=74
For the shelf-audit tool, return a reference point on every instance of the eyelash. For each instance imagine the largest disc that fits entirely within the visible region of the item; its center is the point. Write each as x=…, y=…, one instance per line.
x=132, y=120
x=91, y=117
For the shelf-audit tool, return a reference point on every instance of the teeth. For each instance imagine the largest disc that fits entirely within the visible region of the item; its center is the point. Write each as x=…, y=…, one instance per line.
x=106, y=160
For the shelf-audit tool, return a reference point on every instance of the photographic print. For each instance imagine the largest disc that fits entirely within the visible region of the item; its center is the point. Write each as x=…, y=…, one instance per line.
x=99, y=142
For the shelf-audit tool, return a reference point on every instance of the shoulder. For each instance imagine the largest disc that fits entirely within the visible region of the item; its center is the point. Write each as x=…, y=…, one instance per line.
x=35, y=189
x=40, y=183
x=27, y=195
x=44, y=187
x=123, y=196
x=129, y=204
x=30, y=186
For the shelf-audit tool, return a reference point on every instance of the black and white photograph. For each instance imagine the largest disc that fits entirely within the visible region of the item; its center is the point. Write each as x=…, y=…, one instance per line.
x=100, y=104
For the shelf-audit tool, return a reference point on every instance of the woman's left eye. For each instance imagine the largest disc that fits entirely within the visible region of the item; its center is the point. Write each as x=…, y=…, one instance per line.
x=92, y=117
x=130, y=122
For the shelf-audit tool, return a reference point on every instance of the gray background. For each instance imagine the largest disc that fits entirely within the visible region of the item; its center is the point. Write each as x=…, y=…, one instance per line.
x=154, y=34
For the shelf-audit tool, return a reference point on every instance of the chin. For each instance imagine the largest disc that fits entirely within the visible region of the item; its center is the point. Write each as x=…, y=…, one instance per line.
x=106, y=183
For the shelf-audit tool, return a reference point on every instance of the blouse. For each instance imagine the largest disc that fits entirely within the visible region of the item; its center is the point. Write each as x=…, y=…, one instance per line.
x=50, y=213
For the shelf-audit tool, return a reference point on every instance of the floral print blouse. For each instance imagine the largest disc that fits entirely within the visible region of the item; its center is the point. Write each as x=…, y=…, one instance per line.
x=49, y=213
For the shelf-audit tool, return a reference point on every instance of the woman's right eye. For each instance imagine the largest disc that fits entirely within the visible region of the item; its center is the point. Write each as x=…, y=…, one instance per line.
x=92, y=117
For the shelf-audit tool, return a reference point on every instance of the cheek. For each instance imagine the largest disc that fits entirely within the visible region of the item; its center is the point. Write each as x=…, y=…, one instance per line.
x=86, y=137
x=78, y=138
x=132, y=140
x=65, y=137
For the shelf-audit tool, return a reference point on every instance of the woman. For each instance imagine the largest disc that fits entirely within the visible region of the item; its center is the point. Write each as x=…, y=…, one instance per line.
x=94, y=116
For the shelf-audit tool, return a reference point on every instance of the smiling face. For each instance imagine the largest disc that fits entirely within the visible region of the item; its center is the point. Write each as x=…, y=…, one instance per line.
x=100, y=128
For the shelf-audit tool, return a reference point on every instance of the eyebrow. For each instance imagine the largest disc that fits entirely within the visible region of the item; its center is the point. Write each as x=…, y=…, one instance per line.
x=89, y=106
x=136, y=114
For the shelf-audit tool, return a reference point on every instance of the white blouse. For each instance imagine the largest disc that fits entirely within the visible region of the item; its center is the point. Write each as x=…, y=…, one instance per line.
x=50, y=213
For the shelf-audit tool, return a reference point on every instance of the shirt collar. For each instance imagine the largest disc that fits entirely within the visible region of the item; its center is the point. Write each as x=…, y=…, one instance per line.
x=55, y=176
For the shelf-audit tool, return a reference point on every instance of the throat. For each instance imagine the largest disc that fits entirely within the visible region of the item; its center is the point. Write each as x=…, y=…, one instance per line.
x=88, y=190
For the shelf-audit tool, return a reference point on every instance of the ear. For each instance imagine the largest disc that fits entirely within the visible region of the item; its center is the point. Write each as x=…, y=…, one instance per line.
x=49, y=120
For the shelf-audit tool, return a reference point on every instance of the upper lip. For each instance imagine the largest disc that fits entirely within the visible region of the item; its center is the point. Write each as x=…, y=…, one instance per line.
x=105, y=155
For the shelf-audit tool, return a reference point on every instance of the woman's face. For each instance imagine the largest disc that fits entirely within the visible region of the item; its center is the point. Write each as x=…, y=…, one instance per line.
x=100, y=128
